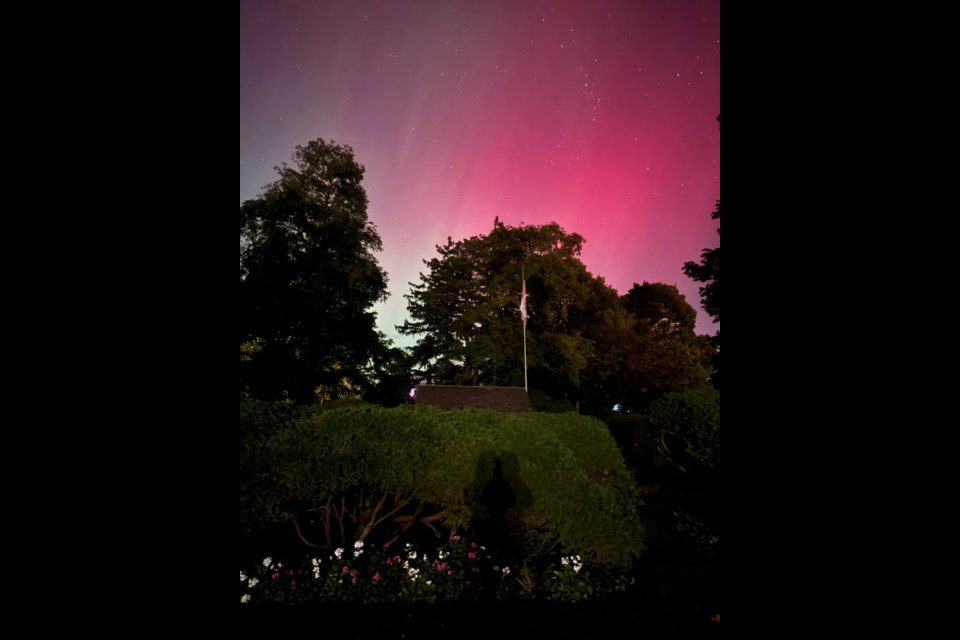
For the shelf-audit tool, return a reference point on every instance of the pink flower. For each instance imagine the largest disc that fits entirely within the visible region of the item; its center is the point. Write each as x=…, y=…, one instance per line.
x=376, y=576
x=275, y=576
x=346, y=569
x=455, y=538
x=389, y=560
x=473, y=544
x=293, y=583
x=386, y=545
x=354, y=581
x=450, y=572
x=396, y=558
x=290, y=573
x=471, y=555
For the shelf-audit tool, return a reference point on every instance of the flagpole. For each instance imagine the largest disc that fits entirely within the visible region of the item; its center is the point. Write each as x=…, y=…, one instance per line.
x=523, y=276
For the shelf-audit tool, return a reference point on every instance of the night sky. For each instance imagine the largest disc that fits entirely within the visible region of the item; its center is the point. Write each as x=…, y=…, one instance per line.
x=600, y=116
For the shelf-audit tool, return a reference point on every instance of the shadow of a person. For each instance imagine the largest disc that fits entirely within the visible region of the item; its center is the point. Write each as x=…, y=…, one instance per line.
x=523, y=498
x=495, y=499
x=501, y=498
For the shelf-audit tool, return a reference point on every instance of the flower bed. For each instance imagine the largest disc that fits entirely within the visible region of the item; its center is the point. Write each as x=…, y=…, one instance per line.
x=459, y=571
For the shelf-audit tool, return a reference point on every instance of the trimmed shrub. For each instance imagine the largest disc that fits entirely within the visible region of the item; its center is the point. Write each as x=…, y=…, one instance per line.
x=366, y=473
x=694, y=416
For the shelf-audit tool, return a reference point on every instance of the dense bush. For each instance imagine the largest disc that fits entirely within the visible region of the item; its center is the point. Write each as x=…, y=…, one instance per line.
x=260, y=496
x=369, y=474
x=695, y=417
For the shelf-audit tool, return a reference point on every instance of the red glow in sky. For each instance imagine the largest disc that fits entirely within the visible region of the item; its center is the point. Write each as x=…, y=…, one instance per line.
x=600, y=116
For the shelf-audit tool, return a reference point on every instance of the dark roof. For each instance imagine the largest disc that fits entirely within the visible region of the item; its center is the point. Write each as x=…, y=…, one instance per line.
x=448, y=396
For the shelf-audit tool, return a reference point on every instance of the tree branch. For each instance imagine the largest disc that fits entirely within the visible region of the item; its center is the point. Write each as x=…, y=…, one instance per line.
x=402, y=503
x=372, y=521
x=304, y=539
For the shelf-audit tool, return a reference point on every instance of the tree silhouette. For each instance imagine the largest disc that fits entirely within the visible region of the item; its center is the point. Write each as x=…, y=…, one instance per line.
x=308, y=278
x=708, y=272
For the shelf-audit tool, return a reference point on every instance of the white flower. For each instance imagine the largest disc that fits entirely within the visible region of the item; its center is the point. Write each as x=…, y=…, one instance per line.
x=506, y=571
x=338, y=552
x=316, y=562
x=413, y=556
x=564, y=561
x=316, y=572
x=267, y=561
x=243, y=577
x=254, y=582
x=577, y=564
x=429, y=582
x=357, y=545
x=245, y=598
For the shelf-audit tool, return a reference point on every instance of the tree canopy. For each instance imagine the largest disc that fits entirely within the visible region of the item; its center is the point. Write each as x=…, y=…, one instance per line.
x=465, y=310
x=666, y=354
x=584, y=345
x=308, y=279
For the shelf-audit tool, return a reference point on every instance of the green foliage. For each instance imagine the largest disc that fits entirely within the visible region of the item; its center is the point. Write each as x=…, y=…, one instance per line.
x=660, y=308
x=695, y=416
x=664, y=354
x=571, y=582
x=390, y=376
x=260, y=496
x=542, y=402
x=587, y=349
x=308, y=279
x=465, y=312
x=369, y=473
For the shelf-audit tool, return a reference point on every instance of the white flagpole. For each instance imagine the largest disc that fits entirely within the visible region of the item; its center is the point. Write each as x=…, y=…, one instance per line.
x=523, y=276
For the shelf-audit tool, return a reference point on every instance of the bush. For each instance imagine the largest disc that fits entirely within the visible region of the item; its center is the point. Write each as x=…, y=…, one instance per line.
x=369, y=474
x=694, y=416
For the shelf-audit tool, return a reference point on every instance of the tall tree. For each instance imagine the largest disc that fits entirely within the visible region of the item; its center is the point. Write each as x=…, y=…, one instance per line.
x=308, y=279
x=665, y=355
x=465, y=310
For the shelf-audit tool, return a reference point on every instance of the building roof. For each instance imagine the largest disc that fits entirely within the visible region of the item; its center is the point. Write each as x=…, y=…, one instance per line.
x=449, y=396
